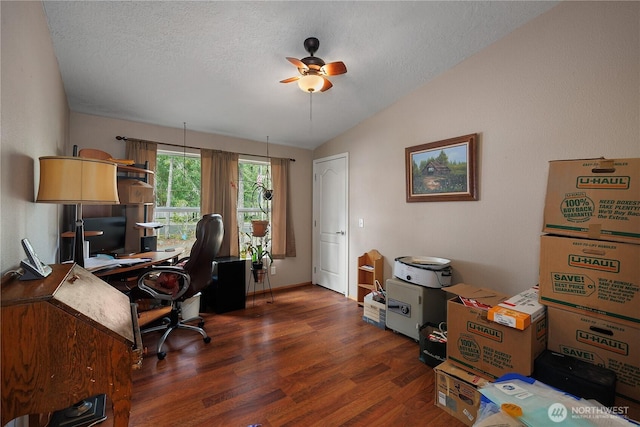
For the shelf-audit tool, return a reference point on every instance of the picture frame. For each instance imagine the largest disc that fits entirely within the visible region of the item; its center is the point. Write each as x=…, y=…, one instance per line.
x=442, y=171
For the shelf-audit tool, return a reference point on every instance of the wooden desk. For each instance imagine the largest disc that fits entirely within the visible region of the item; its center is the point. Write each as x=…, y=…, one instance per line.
x=68, y=234
x=65, y=338
x=125, y=279
x=155, y=258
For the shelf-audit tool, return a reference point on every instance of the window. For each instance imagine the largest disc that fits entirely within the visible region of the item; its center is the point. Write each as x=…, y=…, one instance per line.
x=250, y=205
x=177, y=183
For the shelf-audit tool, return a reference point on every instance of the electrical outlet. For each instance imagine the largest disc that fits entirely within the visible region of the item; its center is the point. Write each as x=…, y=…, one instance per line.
x=273, y=270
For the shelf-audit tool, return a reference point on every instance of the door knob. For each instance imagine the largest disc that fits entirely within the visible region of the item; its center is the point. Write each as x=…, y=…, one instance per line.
x=340, y=232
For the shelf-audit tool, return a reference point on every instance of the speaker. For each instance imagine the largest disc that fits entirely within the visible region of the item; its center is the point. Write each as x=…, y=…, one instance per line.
x=148, y=243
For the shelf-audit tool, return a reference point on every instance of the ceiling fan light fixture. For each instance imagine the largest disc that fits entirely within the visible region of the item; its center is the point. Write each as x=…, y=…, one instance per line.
x=311, y=83
x=313, y=69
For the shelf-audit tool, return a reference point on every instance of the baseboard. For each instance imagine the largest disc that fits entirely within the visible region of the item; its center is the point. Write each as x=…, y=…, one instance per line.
x=286, y=287
x=280, y=288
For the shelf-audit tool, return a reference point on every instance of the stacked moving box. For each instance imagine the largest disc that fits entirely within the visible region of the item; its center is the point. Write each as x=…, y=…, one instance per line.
x=590, y=266
x=480, y=350
x=589, y=283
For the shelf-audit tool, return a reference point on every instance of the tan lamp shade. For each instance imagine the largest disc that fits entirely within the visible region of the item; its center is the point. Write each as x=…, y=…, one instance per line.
x=71, y=180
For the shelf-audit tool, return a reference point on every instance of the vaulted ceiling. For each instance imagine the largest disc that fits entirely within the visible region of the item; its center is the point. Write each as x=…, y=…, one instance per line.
x=217, y=65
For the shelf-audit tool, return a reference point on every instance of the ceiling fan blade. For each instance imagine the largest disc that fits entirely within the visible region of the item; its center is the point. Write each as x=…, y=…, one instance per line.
x=327, y=85
x=334, y=68
x=297, y=62
x=290, y=79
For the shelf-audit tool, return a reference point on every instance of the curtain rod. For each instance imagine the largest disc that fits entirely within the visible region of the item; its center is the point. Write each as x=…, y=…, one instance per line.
x=124, y=138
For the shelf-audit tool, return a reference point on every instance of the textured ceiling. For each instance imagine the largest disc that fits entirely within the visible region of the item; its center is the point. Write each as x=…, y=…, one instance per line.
x=216, y=65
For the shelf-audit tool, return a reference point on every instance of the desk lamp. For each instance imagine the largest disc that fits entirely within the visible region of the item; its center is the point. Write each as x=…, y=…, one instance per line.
x=77, y=181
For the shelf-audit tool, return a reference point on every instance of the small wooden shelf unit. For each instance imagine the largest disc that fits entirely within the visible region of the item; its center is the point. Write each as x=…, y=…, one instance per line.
x=370, y=269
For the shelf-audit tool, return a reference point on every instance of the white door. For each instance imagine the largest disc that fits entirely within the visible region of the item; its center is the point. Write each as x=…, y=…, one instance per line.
x=330, y=220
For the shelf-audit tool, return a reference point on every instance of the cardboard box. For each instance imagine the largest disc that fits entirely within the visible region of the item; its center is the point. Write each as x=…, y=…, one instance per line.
x=374, y=312
x=519, y=310
x=594, y=198
x=628, y=408
x=601, y=342
x=511, y=318
x=134, y=192
x=479, y=345
x=457, y=392
x=600, y=277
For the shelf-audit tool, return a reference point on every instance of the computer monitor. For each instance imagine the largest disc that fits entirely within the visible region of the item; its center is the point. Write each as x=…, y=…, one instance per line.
x=112, y=240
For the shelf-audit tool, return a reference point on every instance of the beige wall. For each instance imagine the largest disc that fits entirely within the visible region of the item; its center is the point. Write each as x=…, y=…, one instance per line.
x=35, y=121
x=88, y=131
x=566, y=85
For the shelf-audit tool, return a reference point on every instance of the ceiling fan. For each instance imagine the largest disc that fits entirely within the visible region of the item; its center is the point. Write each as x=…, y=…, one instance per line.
x=313, y=70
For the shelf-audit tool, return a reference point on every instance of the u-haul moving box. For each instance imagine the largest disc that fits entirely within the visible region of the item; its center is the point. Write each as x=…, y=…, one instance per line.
x=490, y=349
x=601, y=342
x=600, y=277
x=594, y=199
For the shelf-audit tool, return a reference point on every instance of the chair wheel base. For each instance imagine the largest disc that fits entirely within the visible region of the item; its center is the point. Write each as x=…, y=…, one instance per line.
x=207, y=340
x=162, y=355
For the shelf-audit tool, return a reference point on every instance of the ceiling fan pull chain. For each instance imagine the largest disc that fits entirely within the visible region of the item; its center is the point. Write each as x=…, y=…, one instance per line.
x=310, y=104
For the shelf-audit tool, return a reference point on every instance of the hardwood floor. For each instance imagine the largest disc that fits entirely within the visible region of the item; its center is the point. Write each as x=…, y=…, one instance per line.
x=306, y=360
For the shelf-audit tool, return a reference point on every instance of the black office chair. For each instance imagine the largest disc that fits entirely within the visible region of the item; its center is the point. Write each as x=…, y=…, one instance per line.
x=190, y=276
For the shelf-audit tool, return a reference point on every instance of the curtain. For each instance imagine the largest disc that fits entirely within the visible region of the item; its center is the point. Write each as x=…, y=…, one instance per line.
x=219, y=194
x=140, y=152
x=283, y=242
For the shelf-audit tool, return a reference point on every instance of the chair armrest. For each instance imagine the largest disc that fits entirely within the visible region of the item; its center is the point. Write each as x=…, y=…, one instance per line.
x=163, y=282
x=165, y=269
x=181, y=261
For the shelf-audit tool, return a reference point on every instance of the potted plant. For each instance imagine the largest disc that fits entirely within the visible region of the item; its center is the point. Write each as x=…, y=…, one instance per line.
x=264, y=196
x=263, y=193
x=258, y=253
x=259, y=227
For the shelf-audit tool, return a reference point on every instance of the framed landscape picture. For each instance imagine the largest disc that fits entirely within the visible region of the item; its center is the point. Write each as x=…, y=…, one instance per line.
x=442, y=171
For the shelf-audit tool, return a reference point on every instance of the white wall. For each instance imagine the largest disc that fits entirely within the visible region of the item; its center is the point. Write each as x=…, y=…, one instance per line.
x=88, y=131
x=35, y=120
x=565, y=85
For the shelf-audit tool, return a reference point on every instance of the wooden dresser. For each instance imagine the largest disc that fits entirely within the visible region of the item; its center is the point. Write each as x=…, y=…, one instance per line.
x=65, y=338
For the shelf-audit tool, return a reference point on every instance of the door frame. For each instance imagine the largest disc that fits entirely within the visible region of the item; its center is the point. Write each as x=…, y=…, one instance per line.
x=315, y=239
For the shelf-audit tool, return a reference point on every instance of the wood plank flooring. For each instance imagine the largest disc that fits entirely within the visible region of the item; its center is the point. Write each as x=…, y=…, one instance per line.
x=306, y=360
